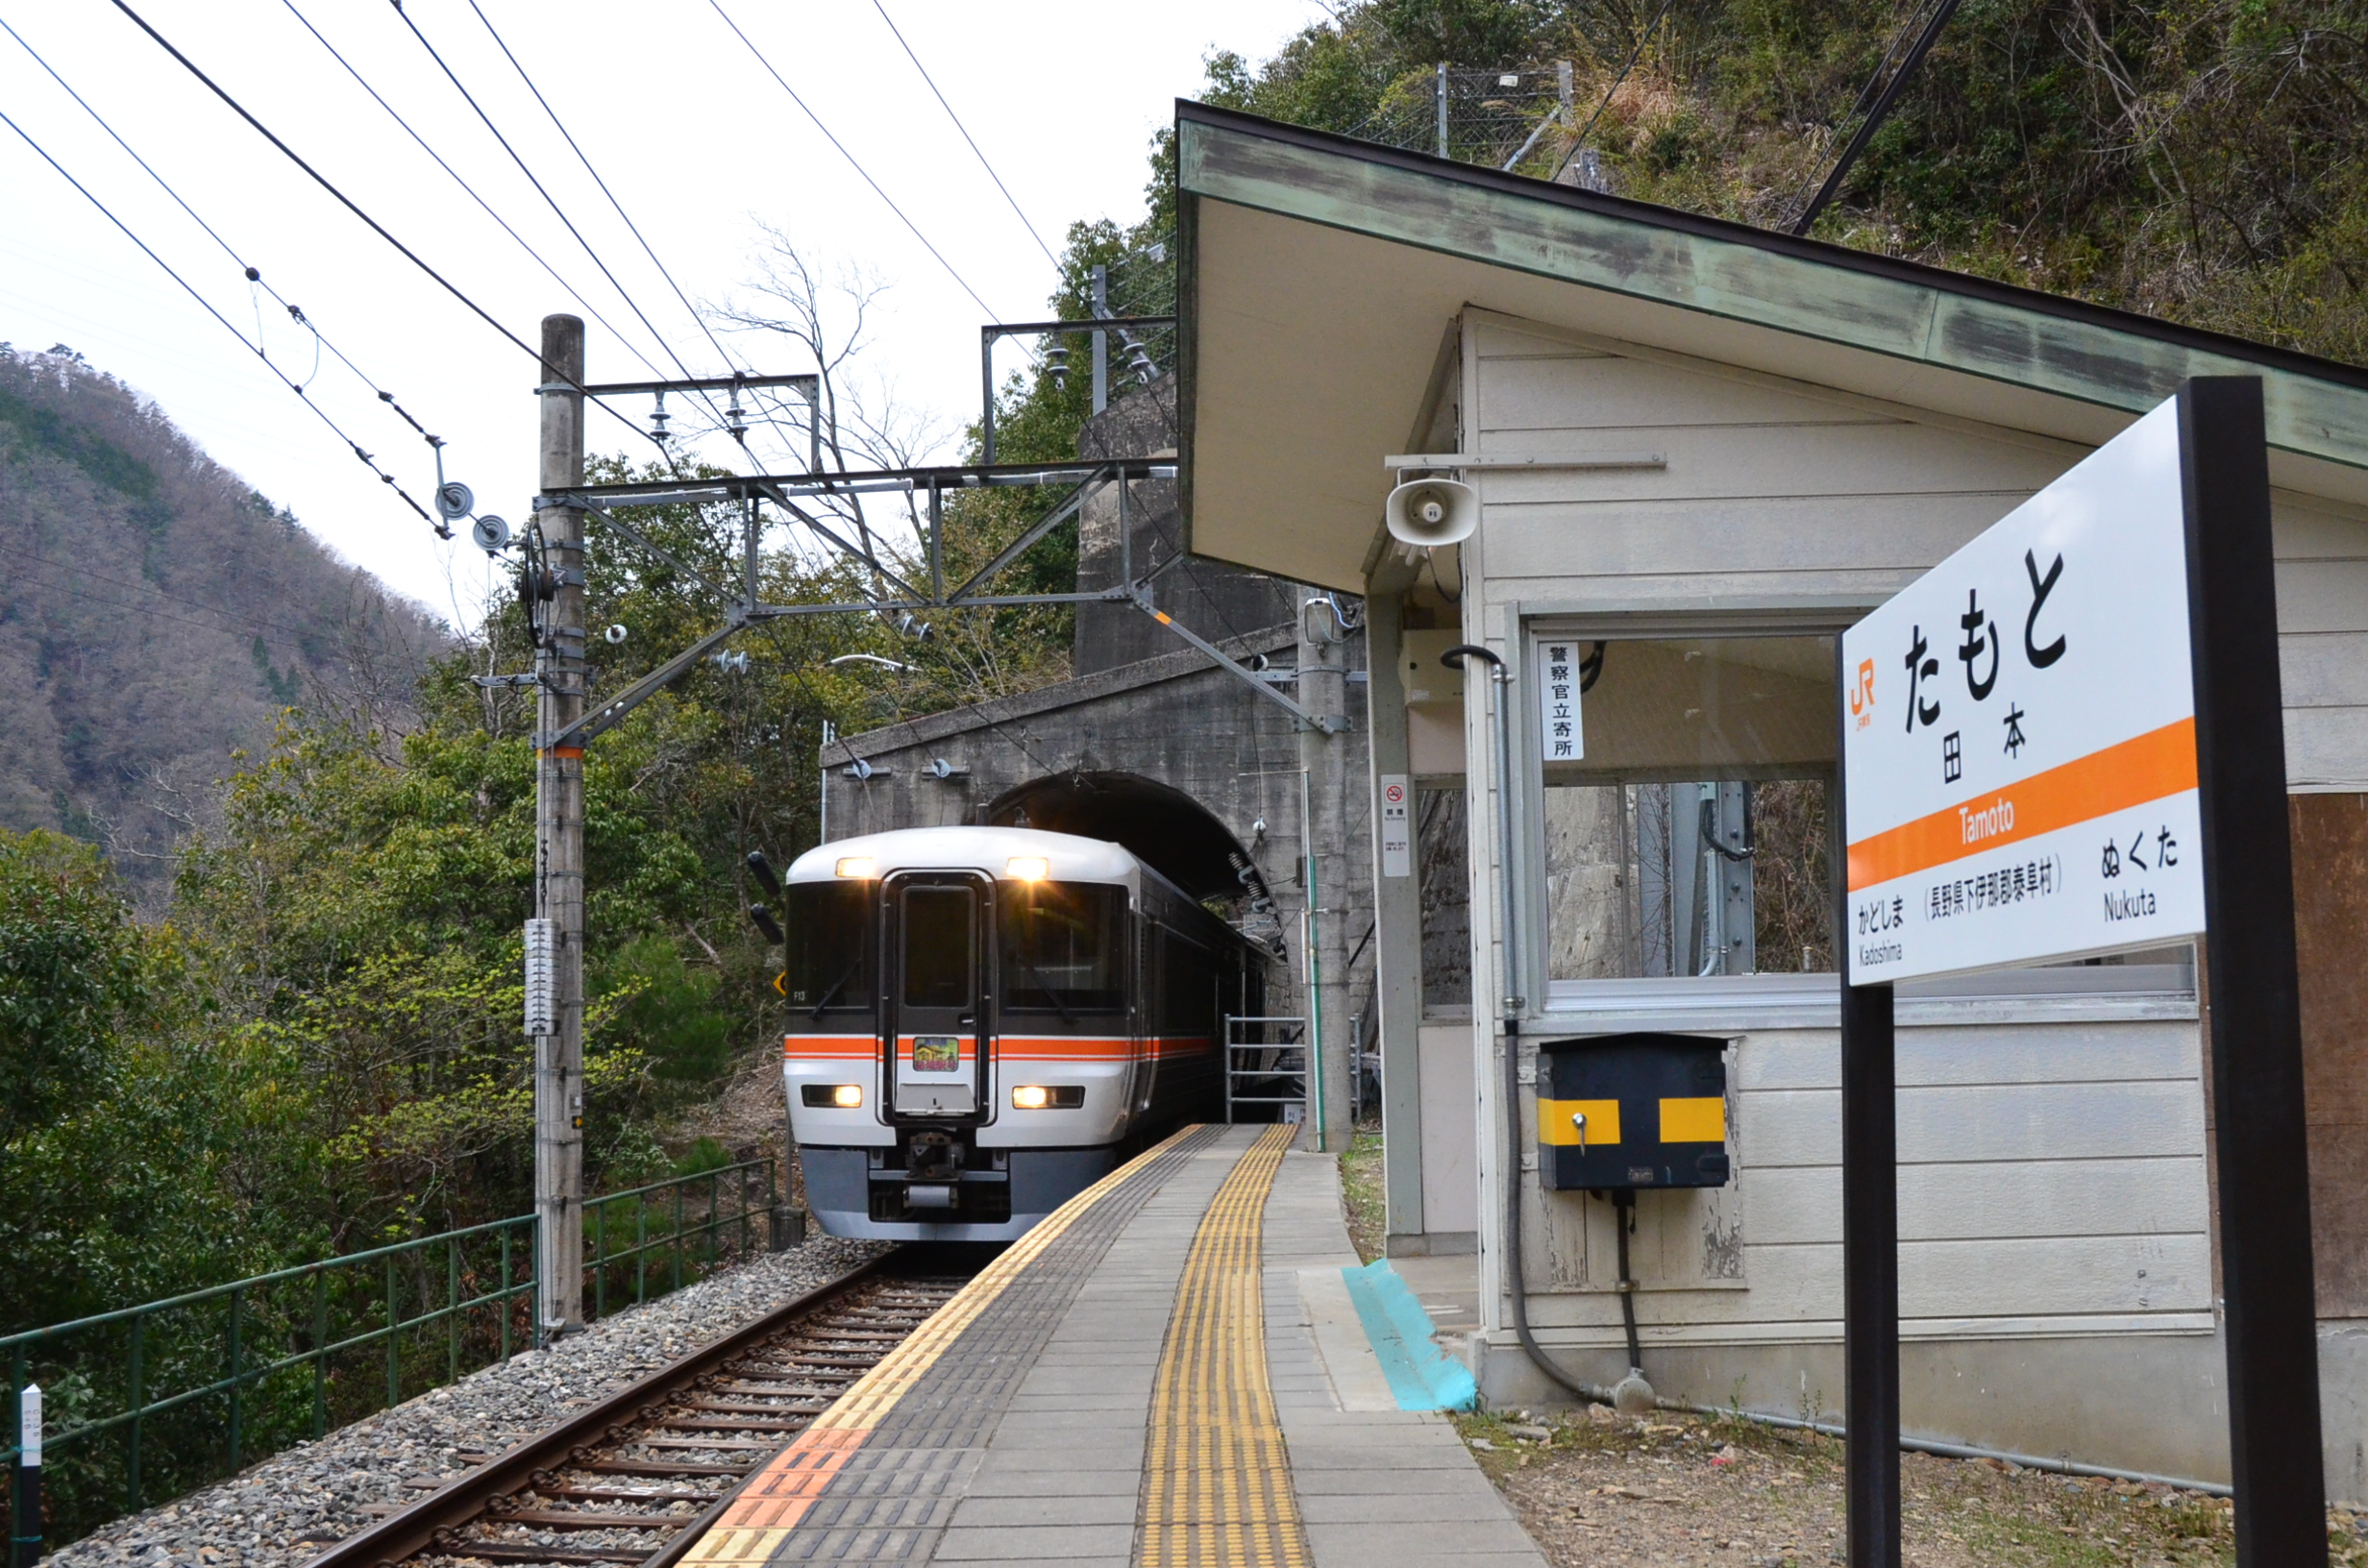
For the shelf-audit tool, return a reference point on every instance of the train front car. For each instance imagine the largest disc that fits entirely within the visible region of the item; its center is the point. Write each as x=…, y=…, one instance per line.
x=968, y=1041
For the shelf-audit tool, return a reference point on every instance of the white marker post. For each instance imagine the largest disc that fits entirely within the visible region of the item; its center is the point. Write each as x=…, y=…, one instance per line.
x=25, y=1506
x=2066, y=740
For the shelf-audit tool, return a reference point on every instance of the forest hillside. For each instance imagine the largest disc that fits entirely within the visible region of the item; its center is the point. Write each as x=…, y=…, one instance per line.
x=2202, y=161
x=156, y=615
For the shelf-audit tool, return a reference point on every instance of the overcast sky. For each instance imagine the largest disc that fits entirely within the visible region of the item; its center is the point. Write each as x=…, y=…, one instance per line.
x=699, y=143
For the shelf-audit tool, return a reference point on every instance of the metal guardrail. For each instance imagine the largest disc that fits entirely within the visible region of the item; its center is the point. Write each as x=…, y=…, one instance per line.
x=1269, y=1070
x=199, y=1385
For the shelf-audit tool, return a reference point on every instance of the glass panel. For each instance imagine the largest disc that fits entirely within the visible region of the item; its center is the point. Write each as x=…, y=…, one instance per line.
x=939, y=942
x=1064, y=946
x=1690, y=836
x=827, y=926
x=1696, y=878
x=1442, y=852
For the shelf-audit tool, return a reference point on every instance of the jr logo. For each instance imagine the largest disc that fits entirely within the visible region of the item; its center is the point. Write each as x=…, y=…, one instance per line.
x=1862, y=695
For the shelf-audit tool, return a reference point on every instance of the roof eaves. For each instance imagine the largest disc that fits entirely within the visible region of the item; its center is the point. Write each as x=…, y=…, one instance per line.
x=1906, y=310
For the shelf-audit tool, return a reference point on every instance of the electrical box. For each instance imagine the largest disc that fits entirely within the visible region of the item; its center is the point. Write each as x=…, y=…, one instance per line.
x=1420, y=674
x=1629, y=1111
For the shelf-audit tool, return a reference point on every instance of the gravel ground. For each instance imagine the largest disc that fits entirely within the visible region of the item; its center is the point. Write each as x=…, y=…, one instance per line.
x=282, y=1511
x=1675, y=1491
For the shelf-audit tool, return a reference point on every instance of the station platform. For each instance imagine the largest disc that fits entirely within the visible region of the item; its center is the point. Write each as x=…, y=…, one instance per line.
x=1167, y=1371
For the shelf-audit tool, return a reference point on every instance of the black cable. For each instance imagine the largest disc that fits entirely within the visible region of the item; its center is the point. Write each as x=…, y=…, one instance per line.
x=152, y=614
x=549, y=199
x=845, y=154
x=698, y=320
x=368, y=461
x=348, y=203
x=966, y=134
x=251, y=621
x=1634, y=55
x=539, y=260
x=1875, y=115
x=253, y=275
x=619, y=206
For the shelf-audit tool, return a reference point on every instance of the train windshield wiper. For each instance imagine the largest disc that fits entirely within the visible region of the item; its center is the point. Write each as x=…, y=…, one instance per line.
x=1042, y=984
x=836, y=986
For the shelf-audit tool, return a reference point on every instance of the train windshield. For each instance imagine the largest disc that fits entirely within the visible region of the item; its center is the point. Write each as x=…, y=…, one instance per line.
x=829, y=927
x=1063, y=946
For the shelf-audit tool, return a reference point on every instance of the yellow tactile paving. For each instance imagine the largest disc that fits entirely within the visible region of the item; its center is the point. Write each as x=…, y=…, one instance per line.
x=1216, y=1482
x=767, y=1510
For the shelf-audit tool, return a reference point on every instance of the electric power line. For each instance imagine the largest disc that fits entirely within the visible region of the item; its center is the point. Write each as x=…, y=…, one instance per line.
x=257, y=349
x=150, y=613
x=647, y=248
x=1634, y=55
x=348, y=203
x=966, y=134
x=549, y=199
x=540, y=260
x=845, y=154
x=253, y=275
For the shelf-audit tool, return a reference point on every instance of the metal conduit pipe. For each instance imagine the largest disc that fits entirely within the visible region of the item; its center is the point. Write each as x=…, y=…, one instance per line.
x=1515, y=1288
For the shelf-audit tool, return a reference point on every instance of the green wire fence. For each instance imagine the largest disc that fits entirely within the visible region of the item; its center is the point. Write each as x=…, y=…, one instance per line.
x=145, y=1403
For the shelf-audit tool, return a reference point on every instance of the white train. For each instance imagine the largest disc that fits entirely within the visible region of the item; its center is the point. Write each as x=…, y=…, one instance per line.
x=986, y=1021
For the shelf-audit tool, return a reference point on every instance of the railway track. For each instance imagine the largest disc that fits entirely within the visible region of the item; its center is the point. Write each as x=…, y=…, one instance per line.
x=632, y=1480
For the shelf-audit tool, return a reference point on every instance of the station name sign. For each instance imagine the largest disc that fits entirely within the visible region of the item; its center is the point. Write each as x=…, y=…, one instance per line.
x=2018, y=734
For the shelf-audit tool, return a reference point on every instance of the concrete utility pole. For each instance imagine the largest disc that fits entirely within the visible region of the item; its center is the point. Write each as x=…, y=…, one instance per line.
x=1323, y=691
x=559, y=847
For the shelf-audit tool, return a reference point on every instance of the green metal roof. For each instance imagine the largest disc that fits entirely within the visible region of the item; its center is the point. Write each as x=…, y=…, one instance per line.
x=1948, y=321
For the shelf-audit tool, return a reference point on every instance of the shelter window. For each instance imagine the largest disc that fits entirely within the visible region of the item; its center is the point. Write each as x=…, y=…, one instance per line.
x=1063, y=947
x=1690, y=836
x=829, y=928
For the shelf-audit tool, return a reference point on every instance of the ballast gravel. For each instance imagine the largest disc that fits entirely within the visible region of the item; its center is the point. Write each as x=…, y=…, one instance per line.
x=282, y=1511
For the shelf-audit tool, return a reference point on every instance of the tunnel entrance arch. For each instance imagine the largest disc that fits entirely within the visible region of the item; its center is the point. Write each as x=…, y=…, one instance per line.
x=1158, y=823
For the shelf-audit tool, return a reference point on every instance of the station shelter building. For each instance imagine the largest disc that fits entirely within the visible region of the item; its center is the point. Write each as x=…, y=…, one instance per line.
x=1701, y=450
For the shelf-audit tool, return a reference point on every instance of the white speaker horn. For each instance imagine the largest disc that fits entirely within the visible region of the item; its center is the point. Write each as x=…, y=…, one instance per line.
x=1432, y=512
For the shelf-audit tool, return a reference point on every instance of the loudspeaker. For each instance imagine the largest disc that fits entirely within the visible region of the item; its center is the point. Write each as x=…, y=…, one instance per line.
x=1432, y=512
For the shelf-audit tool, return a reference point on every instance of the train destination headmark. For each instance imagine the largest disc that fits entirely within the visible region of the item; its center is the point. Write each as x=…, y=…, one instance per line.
x=2018, y=749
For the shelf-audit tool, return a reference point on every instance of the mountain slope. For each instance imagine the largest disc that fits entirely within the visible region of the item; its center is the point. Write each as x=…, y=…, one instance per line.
x=156, y=615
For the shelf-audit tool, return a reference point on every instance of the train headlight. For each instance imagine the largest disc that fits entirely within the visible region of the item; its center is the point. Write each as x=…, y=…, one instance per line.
x=1031, y=1097
x=1048, y=1096
x=834, y=1096
x=858, y=867
x=1027, y=868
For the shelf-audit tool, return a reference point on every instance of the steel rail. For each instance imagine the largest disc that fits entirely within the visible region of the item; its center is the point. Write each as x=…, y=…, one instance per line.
x=413, y=1532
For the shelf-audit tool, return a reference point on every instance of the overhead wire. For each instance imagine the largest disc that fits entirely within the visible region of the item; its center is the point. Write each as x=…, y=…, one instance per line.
x=152, y=614
x=351, y=206
x=145, y=586
x=982, y=156
x=852, y=161
x=322, y=414
x=253, y=275
x=589, y=309
x=647, y=248
x=1634, y=55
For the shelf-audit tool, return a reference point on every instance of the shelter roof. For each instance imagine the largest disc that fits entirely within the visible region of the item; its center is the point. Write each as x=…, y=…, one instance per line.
x=1318, y=275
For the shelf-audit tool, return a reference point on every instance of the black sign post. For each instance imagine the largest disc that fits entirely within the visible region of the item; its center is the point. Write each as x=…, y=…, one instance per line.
x=2263, y=1178
x=2271, y=1316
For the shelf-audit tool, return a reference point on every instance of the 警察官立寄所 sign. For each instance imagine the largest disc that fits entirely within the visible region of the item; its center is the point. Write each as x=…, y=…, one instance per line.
x=2018, y=735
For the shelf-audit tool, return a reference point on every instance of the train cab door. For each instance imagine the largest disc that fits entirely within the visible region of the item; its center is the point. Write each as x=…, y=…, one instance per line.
x=937, y=928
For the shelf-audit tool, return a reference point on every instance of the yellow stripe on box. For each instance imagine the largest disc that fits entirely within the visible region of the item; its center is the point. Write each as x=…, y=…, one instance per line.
x=1555, y=1125
x=1693, y=1121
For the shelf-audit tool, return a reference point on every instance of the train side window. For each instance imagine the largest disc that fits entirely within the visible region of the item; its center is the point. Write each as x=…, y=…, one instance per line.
x=1063, y=947
x=939, y=942
x=829, y=947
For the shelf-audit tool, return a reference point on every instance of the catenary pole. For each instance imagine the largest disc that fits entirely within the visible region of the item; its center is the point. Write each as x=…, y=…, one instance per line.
x=558, y=823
